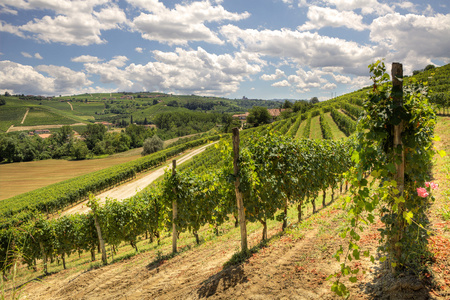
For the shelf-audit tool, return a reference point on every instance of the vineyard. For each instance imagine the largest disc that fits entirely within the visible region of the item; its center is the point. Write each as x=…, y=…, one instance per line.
x=288, y=188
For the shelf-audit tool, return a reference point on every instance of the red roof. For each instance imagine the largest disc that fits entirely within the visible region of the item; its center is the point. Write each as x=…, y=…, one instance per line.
x=275, y=112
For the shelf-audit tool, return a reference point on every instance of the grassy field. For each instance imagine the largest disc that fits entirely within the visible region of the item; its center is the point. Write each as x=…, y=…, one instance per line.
x=43, y=116
x=337, y=133
x=316, y=132
x=12, y=113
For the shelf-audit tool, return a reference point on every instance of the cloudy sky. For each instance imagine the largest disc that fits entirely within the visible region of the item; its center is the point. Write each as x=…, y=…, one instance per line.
x=263, y=49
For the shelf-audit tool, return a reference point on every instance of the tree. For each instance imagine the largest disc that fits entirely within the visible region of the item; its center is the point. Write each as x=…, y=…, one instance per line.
x=301, y=106
x=94, y=133
x=152, y=145
x=287, y=104
x=314, y=100
x=258, y=115
x=429, y=67
x=2, y=101
x=64, y=135
x=79, y=150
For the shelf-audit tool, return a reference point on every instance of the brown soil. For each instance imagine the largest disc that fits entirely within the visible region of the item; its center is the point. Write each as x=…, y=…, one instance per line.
x=291, y=265
x=38, y=127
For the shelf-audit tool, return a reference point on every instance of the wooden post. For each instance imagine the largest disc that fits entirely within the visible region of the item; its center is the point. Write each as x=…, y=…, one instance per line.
x=174, y=212
x=397, y=93
x=100, y=239
x=239, y=200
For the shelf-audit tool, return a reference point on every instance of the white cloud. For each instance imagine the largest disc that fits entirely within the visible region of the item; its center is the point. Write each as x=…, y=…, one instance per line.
x=5, y=27
x=329, y=86
x=304, y=48
x=26, y=54
x=73, y=23
x=409, y=6
x=366, y=6
x=23, y=79
x=64, y=79
x=412, y=39
x=342, y=79
x=305, y=80
x=38, y=56
x=110, y=17
x=320, y=17
x=283, y=83
x=66, y=29
x=110, y=72
x=182, y=24
x=139, y=49
x=182, y=71
x=86, y=59
x=5, y=10
x=278, y=74
x=360, y=82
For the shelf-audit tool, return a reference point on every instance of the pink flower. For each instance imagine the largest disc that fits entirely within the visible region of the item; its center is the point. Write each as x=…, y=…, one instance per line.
x=432, y=184
x=422, y=192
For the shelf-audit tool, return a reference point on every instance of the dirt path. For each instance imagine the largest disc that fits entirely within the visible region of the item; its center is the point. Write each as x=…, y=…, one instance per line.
x=71, y=107
x=38, y=127
x=130, y=189
x=24, y=117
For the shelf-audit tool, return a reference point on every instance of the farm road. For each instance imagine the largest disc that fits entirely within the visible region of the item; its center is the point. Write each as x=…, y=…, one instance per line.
x=130, y=189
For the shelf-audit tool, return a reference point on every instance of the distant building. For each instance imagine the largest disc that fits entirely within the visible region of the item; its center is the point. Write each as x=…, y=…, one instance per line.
x=275, y=112
x=241, y=117
x=107, y=124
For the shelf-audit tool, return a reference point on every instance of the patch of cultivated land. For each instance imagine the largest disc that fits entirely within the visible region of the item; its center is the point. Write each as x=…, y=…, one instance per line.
x=19, y=178
x=130, y=189
x=291, y=265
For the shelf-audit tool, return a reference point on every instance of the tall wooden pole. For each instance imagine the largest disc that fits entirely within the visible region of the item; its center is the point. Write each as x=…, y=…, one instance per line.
x=399, y=158
x=397, y=92
x=174, y=212
x=239, y=199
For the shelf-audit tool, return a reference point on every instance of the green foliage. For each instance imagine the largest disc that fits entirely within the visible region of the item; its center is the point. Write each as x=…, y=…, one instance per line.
x=345, y=124
x=401, y=209
x=79, y=150
x=314, y=100
x=59, y=195
x=152, y=145
x=326, y=130
x=258, y=115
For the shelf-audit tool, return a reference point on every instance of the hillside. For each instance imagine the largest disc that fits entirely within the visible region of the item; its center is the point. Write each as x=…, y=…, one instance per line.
x=295, y=255
x=114, y=108
x=290, y=265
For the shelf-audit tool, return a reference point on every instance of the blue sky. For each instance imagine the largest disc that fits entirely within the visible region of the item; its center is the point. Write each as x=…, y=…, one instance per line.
x=264, y=49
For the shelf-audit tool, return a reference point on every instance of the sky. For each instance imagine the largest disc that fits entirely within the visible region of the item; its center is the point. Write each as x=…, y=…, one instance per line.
x=260, y=49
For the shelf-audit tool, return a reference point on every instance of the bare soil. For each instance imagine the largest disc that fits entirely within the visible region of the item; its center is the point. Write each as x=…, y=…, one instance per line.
x=38, y=127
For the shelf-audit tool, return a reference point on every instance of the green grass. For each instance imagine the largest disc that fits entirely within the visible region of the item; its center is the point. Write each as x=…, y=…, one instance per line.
x=43, y=116
x=12, y=112
x=87, y=109
x=316, y=132
x=300, y=130
x=337, y=133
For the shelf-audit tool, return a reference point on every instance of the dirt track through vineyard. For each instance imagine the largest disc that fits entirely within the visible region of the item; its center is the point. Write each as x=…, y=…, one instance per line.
x=130, y=189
